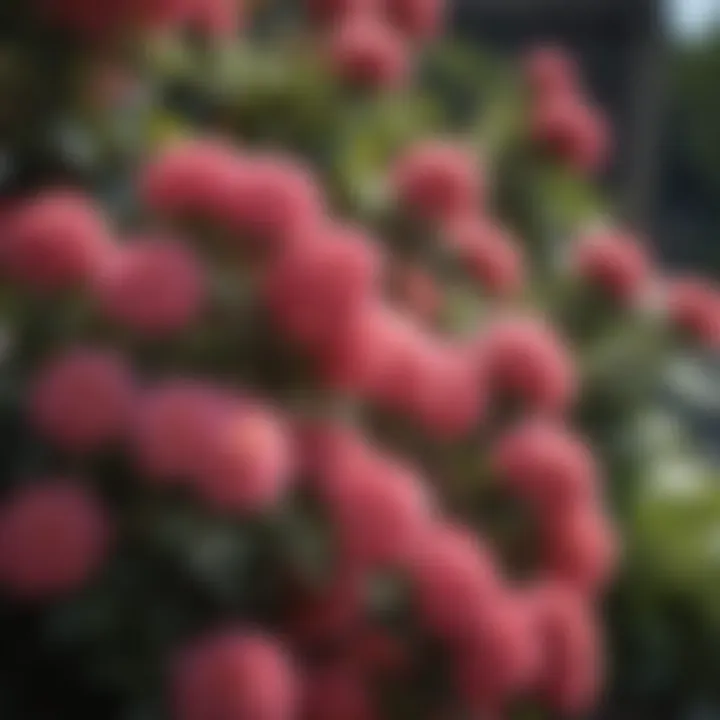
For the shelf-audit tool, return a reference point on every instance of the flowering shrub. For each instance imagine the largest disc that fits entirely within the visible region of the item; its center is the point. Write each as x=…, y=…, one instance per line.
x=316, y=442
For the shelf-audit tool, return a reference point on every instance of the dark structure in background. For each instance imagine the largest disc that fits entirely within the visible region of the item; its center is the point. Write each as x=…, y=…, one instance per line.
x=620, y=46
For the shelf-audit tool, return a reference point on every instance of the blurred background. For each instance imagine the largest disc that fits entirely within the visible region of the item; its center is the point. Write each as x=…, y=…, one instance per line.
x=654, y=65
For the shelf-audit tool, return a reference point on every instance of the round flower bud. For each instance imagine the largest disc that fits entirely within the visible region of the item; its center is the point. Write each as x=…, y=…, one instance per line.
x=693, y=308
x=54, y=241
x=152, y=286
x=82, y=399
x=53, y=537
x=378, y=506
x=275, y=201
x=581, y=549
x=489, y=255
x=246, y=463
x=523, y=360
x=613, y=263
x=572, y=131
x=550, y=72
x=314, y=289
x=547, y=465
x=366, y=52
x=452, y=576
x=334, y=11
x=438, y=180
x=452, y=400
x=234, y=674
x=417, y=291
x=173, y=423
x=416, y=19
x=499, y=657
x=572, y=657
x=192, y=179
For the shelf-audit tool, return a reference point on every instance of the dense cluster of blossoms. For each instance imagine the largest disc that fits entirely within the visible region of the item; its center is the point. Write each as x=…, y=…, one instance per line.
x=367, y=329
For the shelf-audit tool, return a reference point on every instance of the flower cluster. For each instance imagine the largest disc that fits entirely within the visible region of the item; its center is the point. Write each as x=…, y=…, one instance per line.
x=404, y=410
x=562, y=120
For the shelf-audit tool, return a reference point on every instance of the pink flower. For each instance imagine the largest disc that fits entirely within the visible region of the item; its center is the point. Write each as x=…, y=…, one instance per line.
x=547, y=465
x=275, y=201
x=215, y=18
x=452, y=400
x=314, y=289
x=54, y=241
x=524, y=361
x=234, y=674
x=96, y=22
x=572, y=131
x=550, y=72
x=417, y=291
x=378, y=505
x=246, y=463
x=500, y=655
x=693, y=308
x=172, y=426
x=82, y=399
x=572, y=657
x=365, y=51
x=53, y=537
x=613, y=262
x=337, y=691
x=192, y=178
x=581, y=549
x=152, y=286
x=452, y=576
x=333, y=11
x=489, y=253
x=438, y=180
x=417, y=19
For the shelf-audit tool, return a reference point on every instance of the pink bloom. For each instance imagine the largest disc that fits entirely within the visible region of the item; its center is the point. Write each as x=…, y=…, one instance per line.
x=246, y=463
x=417, y=19
x=547, y=465
x=81, y=400
x=97, y=22
x=192, y=178
x=418, y=292
x=215, y=18
x=525, y=361
x=275, y=201
x=335, y=692
x=500, y=656
x=489, y=254
x=54, y=241
x=452, y=577
x=53, y=537
x=550, y=71
x=572, y=657
x=152, y=286
x=693, y=308
x=314, y=289
x=572, y=131
x=365, y=51
x=614, y=263
x=173, y=424
x=452, y=401
x=438, y=180
x=379, y=506
x=581, y=549
x=234, y=674
x=333, y=11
